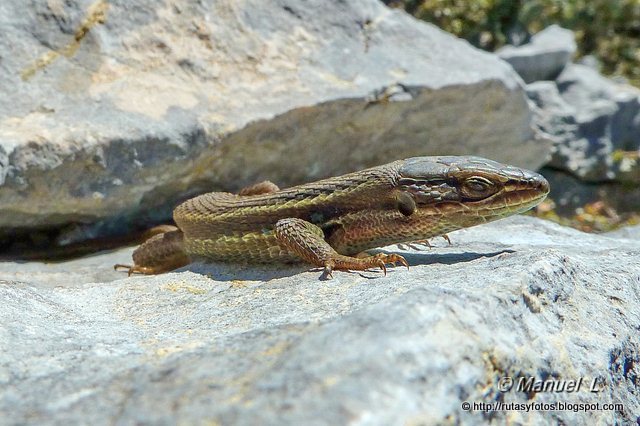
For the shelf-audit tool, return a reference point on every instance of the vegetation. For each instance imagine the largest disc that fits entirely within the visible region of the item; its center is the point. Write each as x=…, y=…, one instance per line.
x=608, y=30
x=594, y=217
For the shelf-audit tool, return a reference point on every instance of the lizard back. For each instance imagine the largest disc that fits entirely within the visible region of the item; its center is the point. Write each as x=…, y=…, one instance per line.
x=229, y=227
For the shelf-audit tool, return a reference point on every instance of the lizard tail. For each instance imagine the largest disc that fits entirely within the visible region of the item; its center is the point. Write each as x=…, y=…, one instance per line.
x=161, y=253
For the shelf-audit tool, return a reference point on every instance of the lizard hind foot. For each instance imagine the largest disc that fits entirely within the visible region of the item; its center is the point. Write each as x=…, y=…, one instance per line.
x=162, y=252
x=137, y=269
x=128, y=268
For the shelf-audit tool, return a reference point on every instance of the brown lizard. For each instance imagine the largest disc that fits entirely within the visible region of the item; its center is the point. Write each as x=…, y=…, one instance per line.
x=326, y=223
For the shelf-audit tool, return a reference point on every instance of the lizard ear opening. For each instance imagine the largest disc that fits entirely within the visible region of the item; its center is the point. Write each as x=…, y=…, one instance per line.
x=405, y=203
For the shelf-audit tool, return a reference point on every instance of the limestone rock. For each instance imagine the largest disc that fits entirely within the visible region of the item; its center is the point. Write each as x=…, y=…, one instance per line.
x=569, y=193
x=594, y=125
x=544, y=57
x=592, y=120
x=629, y=232
x=518, y=298
x=113, y=111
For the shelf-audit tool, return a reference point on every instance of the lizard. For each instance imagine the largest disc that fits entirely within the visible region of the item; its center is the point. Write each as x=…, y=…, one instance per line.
x=329, y=222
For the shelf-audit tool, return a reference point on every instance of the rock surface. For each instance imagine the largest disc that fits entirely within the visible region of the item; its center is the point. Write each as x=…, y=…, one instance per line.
x=629, y=232
x=518, y=298
x=607, y=118
x=594, y=123
x=113, y=111
x=569, y=193
x=591, y=117
x=544, y=57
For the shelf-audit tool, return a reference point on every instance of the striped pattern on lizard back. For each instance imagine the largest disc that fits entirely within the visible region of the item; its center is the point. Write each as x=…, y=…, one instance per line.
x=229, y=227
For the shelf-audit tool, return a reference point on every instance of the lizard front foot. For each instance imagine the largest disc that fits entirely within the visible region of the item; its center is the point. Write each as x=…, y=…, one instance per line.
x=383, y=259
x=306, y=240
x=162, y=252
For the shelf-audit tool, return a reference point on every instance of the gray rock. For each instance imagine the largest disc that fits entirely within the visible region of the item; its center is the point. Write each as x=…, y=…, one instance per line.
x=546, y=96
x=570, y=193
x=554, y=117
x=519, y=298
x=629, y=232
x=591, y=120
x=591, y=62
x=544, y=57
x=158, y=101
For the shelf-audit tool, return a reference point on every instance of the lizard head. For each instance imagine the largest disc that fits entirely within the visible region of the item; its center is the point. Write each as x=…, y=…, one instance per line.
x=467, y=190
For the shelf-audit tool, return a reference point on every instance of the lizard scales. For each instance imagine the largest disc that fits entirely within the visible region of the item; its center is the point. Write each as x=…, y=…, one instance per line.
x=327, y=222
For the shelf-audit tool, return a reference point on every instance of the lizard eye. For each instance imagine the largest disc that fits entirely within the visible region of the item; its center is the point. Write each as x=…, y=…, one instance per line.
x=477, y=187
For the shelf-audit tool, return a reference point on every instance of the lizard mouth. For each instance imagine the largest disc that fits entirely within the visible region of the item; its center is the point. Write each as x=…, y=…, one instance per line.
x=516, y=197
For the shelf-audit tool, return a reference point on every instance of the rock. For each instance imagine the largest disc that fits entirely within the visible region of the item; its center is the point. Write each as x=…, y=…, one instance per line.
x=544, y=57
x=590, y=61
x=593, y=122
x=594, y=96
x=570, y=193
x=546, y=96
x=520, y=298
x=594, y=125
x=629, y=232
x=555, y=118
x=112, y=112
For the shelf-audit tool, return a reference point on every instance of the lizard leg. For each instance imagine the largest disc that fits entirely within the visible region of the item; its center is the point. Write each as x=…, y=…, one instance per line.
x=161, y=253
x=264, y=187
x=307, y=241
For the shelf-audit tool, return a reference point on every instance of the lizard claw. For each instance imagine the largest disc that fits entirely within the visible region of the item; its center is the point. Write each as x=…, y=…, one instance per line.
x=396, y=258
x=382, y=266
x=383, y=259
x=328, y=269
x=130, y=269
x=137, y=269
x=446, y=237
x=403, y=262
x=424, y=242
